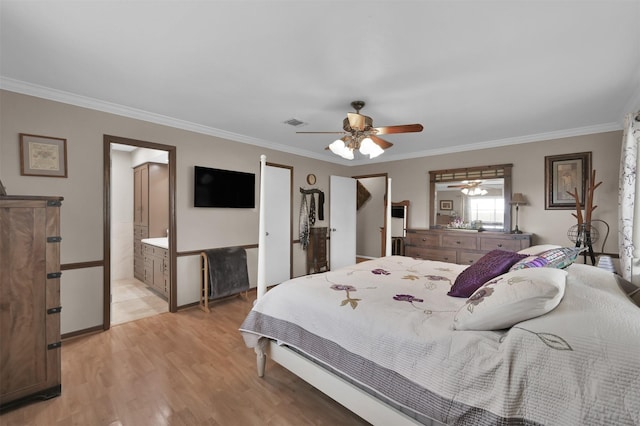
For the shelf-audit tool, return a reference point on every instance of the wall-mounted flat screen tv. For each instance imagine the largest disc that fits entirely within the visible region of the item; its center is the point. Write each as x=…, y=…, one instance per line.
x=223, y=188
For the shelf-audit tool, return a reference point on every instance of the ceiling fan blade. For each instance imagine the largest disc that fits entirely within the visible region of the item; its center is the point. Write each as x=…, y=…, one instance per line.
x=356, y=121
x=326, y=133
x=381, y=142
x=404, y=128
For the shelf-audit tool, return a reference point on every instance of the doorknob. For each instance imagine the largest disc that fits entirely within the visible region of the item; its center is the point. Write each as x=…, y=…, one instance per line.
x=266, y=233
x=333, y=229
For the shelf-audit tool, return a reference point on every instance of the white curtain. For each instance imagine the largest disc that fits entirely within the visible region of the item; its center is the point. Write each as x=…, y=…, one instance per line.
x=628, y=211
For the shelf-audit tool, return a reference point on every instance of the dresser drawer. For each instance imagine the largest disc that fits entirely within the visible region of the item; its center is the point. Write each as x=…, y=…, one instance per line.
x=488, y=244
x=469, y=258
x=431, y=254
x=460, y=242
x=422, y=240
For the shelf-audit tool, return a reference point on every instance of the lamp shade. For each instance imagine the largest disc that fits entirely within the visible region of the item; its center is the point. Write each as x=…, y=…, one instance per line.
x=337, y=147
x=519, y=198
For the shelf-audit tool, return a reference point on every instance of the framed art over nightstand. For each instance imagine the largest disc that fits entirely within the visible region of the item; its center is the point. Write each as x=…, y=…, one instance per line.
x=43, y=156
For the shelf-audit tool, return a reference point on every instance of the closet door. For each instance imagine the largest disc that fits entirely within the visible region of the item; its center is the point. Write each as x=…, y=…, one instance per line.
x=277, y=224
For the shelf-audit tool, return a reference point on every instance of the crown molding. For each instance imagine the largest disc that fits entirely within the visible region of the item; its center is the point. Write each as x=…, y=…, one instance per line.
x=38, y=91
x=25, y=88
x=538, y=137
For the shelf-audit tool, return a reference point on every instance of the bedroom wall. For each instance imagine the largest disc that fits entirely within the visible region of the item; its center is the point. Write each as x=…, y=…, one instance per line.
x=82, y=209
x=410, y=180
x=197, y=229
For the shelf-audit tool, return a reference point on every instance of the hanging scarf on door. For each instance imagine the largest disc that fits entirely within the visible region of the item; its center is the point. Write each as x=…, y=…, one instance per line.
x=312, y=210
x=320, y=205
x=304, y=223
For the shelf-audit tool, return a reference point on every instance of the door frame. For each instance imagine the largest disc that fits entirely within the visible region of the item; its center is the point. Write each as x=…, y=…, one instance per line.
x=106, y=234
x=384, y=203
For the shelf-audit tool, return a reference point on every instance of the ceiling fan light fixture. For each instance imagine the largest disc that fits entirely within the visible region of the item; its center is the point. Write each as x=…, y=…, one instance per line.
x=474, y=191
x=366, y=146
x=338, y=147
x=373, y=150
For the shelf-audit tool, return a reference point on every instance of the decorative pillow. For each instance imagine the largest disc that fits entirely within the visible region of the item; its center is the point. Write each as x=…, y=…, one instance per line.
x=554, y=258
x=538, y=249
x=492, y=264
x=511, y=298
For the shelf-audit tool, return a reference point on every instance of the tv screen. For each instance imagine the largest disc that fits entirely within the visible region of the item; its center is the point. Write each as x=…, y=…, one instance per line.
x=223, y=188
x=397, y=211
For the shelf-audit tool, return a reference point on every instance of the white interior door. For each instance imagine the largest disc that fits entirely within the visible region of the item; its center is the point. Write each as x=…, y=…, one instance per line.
x=277, y=224
x=342, y=219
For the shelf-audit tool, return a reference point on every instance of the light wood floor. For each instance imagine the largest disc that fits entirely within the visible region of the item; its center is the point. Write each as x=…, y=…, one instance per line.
x=131, y=299
x=188, y=368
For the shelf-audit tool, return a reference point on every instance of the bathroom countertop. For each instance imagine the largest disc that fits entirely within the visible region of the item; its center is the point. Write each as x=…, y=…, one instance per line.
x=162, y=242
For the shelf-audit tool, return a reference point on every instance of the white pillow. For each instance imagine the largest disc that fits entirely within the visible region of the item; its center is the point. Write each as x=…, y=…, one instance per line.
x=511, y=298
x=533, y=250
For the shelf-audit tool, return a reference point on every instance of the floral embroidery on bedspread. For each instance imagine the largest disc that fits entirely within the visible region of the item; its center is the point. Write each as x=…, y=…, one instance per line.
x=349, y=300
x=411, y=274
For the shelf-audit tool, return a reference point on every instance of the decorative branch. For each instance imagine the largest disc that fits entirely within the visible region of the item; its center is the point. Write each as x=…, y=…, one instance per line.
x=589, y=207
x=578, y=214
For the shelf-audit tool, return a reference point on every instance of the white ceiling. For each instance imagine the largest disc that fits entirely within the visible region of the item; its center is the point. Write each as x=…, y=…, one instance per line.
x=474, y=73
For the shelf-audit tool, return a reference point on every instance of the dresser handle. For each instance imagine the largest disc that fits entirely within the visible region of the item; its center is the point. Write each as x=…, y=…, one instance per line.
x=457, y=242
x=424, y=239
x=499, y=245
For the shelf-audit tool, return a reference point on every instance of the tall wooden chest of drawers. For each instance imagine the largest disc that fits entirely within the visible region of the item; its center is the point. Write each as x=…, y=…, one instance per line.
x=29, y=299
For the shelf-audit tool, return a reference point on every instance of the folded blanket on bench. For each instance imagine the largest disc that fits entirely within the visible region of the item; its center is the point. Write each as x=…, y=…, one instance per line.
x=228, y=273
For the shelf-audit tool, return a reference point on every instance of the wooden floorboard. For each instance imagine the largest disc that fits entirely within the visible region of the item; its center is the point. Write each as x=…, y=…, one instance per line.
x=188, y=368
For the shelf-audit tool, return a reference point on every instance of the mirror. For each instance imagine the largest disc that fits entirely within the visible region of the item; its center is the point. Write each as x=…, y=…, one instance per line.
x=475, y=198
x=399, y=218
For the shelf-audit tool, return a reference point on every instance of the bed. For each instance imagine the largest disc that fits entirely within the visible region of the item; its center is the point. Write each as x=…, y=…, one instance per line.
x=547, y=345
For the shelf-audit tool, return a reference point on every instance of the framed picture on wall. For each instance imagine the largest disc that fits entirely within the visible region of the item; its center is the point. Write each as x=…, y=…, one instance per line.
x=446, y=204
x=43, y=156
x=565, y=174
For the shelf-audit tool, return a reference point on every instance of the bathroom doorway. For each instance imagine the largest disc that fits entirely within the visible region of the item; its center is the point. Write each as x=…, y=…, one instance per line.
x=129, y=292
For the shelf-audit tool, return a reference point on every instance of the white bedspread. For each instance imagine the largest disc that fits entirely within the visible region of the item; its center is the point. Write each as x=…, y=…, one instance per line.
x=387, y=324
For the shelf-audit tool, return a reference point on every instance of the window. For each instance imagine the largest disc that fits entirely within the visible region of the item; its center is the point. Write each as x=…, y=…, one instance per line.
x=488, y=210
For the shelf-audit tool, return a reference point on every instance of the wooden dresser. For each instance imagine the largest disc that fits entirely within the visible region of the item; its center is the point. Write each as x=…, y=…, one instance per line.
x=29, y=299
x=463, y=247
x=317, y=250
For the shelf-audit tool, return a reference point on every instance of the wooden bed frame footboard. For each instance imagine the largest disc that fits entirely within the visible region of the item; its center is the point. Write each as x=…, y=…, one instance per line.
x=347, y=394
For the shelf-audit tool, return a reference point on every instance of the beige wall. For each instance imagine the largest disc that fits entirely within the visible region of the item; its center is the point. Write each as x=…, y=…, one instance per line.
x=197, y=229
x=82, y=209
x=410, y=181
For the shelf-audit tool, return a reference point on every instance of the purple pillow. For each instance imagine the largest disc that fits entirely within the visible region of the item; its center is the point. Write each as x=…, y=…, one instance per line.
x=489, y=266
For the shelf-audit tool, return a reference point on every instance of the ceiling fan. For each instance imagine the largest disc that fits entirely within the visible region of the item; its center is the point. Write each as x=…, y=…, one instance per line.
x=466, y=184
x=361, y=135
x=470, y=187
